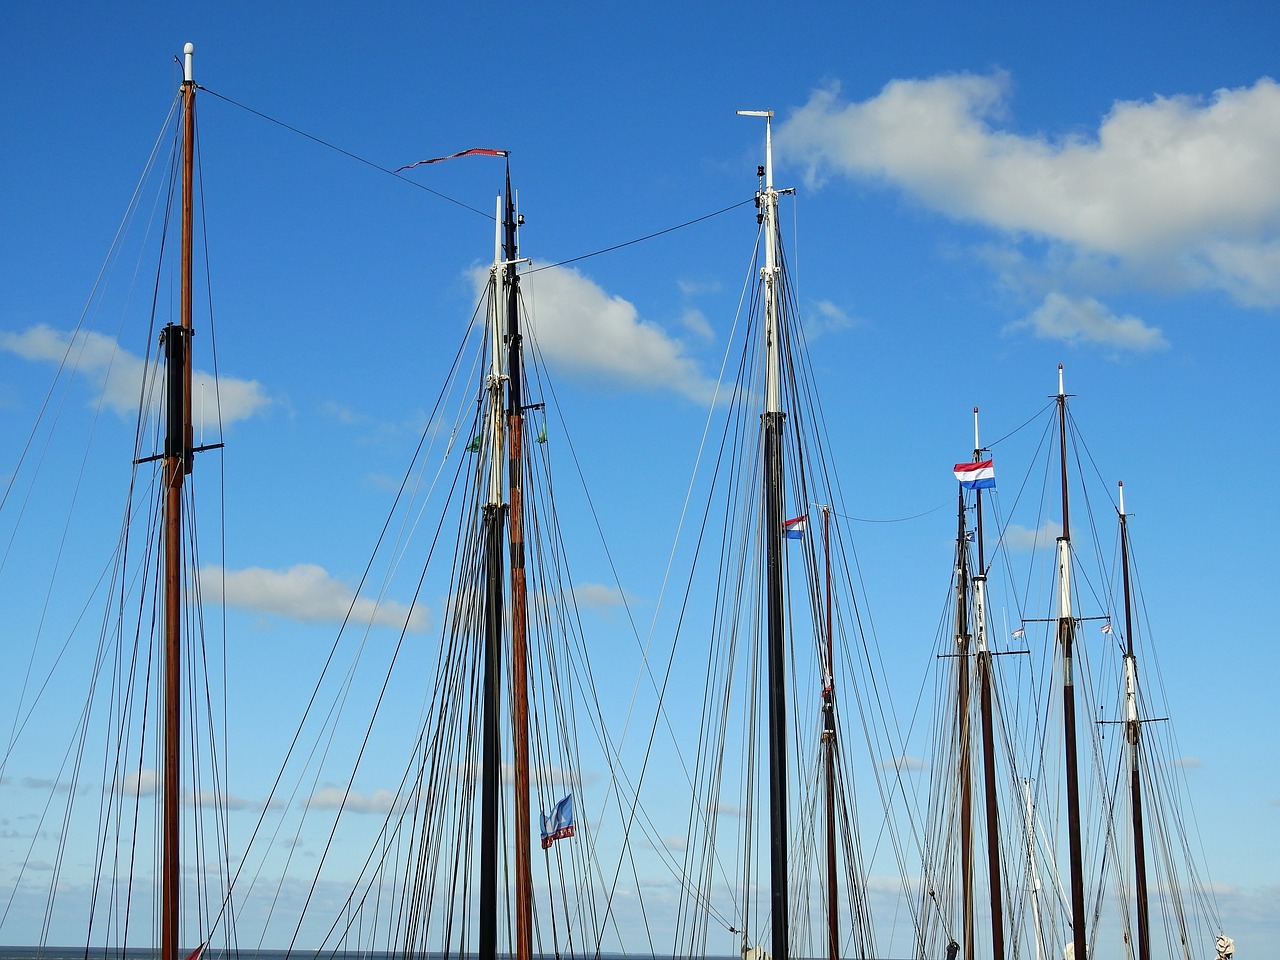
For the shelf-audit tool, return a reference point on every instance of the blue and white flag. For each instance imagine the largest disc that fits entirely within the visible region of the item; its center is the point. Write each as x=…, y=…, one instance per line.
x=560, y=824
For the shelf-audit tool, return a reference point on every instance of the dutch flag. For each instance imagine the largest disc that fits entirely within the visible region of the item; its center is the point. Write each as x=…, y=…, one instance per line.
x=976, y=476
x=794, y=529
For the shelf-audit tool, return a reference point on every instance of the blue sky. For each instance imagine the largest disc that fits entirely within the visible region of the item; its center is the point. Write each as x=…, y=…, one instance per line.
x=982, y=194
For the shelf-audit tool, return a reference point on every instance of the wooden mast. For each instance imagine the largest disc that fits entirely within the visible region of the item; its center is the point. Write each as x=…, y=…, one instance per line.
x=1133, y=734
x=829, y=753
x=985, y=706
x=1066, y=641
x=963, y=772
x=519, y=596
x=176, y=465
x=772, y=519
x=491, y=710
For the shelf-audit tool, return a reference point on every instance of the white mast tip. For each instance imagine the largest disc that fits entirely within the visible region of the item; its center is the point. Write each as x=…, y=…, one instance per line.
x=189, y=49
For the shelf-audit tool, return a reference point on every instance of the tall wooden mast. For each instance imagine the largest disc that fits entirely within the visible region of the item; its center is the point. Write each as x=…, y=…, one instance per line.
x=1066, y=642
x=177, y=462
x=491, y=711
x=505, y=433
x=1133, y=734
x=964, y=771
x=519, y=596
x=829, y=752
x=772, y=519
x=986, y=708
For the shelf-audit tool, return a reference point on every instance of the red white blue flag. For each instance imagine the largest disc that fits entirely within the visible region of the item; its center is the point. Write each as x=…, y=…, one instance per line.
x=976, y=476
x=560, y=824
x=794, y=529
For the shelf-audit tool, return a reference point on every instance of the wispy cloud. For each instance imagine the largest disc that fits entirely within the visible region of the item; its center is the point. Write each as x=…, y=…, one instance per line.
x=1181, y=188
x=140, y=783
x=119, y=375
x=598, y=595
x=1018, y=537
x=305, y=593
x=581, y=327
x=224, y=801
x=1085, y=320
x=824, y=317
x=904, y=762
x=353, y=801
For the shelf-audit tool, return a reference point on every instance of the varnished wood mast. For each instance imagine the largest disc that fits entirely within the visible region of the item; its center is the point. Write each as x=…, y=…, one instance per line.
x=177, y=464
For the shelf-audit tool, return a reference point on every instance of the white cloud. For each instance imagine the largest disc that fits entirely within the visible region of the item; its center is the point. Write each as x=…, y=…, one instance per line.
x=1173, y=182
x=823, y=316
x=1018, y=537
x=904, y=762
x=1085, y=320
x=306, y=593
x=580, y=326
x=141, y=783
x=597, y=595
x=693, y=288
x=696, y=322
x=334, y=798
x=214, y=800
x=119, y=375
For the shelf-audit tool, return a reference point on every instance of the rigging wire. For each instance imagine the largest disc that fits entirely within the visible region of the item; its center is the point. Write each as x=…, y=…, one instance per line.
x=460, y=203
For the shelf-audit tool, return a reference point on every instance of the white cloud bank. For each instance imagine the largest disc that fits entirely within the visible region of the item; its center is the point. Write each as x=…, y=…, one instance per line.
x=579, y=326
x=306, y=593
x=119, y=375
x=1077, y=320
x=1178, y=187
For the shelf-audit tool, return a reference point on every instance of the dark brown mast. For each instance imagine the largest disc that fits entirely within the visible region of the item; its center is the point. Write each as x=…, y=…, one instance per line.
x=985, y=706
x=519, y=598
x=1133, y=734
x=491, y=708
x=1066, y=641
x=963, y=772
x=177, y=464
x=829, y=754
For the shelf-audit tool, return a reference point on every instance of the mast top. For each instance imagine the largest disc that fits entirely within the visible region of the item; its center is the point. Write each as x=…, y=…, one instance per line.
x=768, y=142
x=1121, y=485
x=188, y=53
x=977, y=447
x=1061, y=391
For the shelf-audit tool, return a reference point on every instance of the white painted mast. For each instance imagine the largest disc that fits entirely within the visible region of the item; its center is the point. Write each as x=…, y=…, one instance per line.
x=497, y=331
x=1033, y=874
x=772, y=518
x=980, y=579
x=771, y=271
